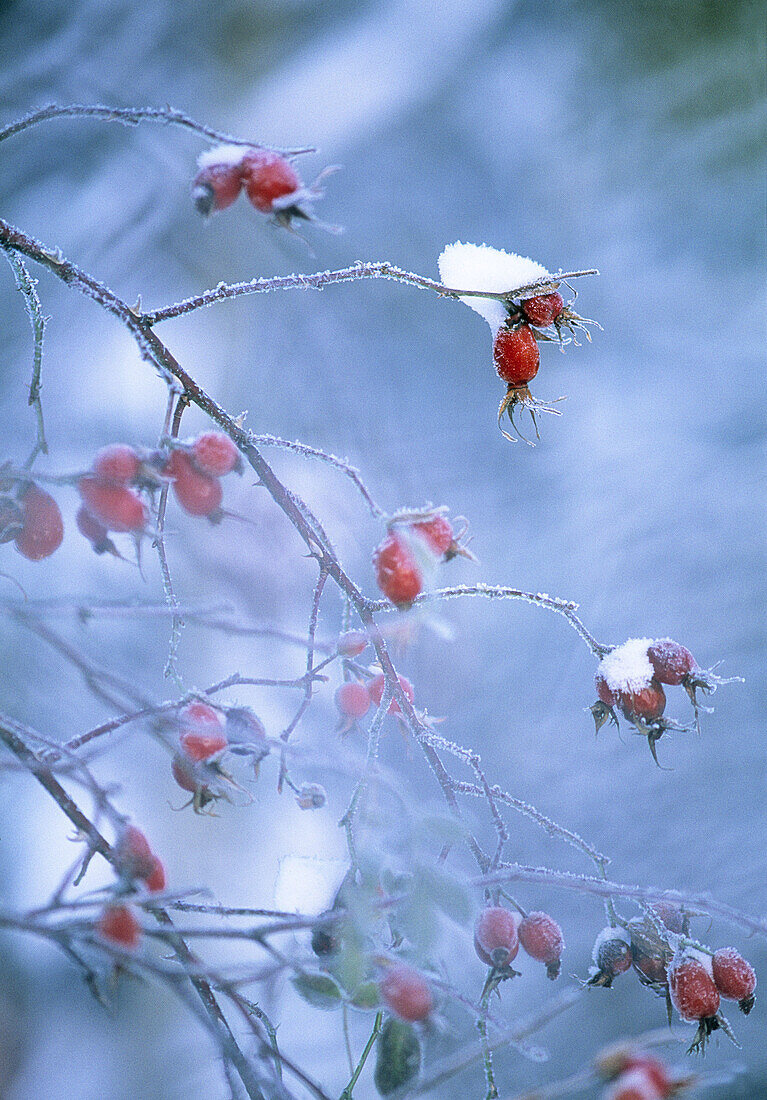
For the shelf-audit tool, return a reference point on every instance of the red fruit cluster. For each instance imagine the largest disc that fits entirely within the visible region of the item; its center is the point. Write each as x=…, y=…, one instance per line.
x=269, y=180
x=110, y=496
x=414, y=546
x=118, y=925
x=32, y=521
x=194, y=469
x=136, y=860
x=354, y=699
x=406, y=993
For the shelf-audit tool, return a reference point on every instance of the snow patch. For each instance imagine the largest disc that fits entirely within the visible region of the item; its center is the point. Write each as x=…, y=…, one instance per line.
x=480, y=267
x=628, y=668
x=222, y=156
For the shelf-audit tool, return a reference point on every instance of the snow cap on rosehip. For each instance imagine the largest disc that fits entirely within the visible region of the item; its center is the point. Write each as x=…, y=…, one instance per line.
x=219, y=180
x=611, y=955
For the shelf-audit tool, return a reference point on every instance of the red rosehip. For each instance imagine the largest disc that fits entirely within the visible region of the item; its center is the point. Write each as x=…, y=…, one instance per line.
x=352, y=643
x=674, y=918
x=495, y=936
x=516, y=354
x=541, y=937
x=187, y=775
x=544, y=309
x=635, y=1084
x=652, y=969
x=118, y=463
x=670, y=661
x=268, y=176
x=397, y=571
x=648, y=703
x=406, y=993
x=353, y=700
x=117, y=507
x=197, y=493
x=691, y=983
x=734, y=977
x=94, y=531
x=604, y=692
x=42, y=527
x=215, y=454
x=118, y=925
x=376, y=690
x=156, y=879
x=202, y=732
x=199, y=714
x=611, y=955
x=437, y=533
x=215, y=187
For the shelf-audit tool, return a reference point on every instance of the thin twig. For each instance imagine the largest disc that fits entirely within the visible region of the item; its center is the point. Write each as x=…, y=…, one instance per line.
x=37, y=319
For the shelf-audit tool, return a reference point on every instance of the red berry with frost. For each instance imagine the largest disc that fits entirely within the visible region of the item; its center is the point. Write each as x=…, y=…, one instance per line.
x=118, y=925
x=117, y=507
x=691, y=983
x=734, y=977
x=135, y=857
x=202, y=732
x=611, y=955
x=219, y=181
x=635, y=1084
x=647, y=703
x=670, y=661
x=352, y=643
x=604, y=691
x=516, y=354
x=495, y=936
x=215, y=454
x=437, y=533
x=353, y=700
x=42, y=527
x=406, y=993
x=544, y=309
x=156, y=879
x=268, y=176
x=541, y=937
x=652, y=969
x=397, y=571
x=118, y=463
x=198, y=494
x=674, y=918
x=94, y=531
x=376, y=690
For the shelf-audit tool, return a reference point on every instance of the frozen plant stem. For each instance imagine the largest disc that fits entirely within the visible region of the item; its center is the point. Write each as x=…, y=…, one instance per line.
x=347, y=1093
x=26, y=285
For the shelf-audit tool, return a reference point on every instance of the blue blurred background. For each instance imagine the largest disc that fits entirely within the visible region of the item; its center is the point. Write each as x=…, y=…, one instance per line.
x=628, y=137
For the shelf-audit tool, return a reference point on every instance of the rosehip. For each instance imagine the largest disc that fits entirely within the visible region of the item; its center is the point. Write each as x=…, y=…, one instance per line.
x=495, y=936
x=611, y=955
x=118, y=463
x=621, y=1059
x=734, y=977
x=693, y=992
x=268, y=176
x=202, y=732
x=215, y=454
x=219, y=181
x=635, y=1084
x=376, y=690
x=437, y=533
x=671, y=661
x=156, y=879
x=94, y=531
x=674, y=918
x=397, y=572
x=651, y=968
x=352, y=643
x=516, y=354
x=605, y=693
x=118, y=925
x=648, y=703
x=42, y=527
x=544, y=309
x=353, y=700
x=197, y=493
x=135, y=857
x=541, y=937
x=117, y=507
x=186, y=775
x=406, y=993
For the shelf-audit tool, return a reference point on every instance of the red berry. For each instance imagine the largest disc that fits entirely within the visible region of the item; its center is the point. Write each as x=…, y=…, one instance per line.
x=117, y=507
x=691, y=982
x=650, y=967
x=544, y=309
x=352, y=643
x=671, y=915
x=648, y=703
x=611, y=955
x=541, y=937
x=135, y=857
x=437, y=533
x=406, y=993
x=653, y=1069
x=353, y=700
x=495, y=936
x=605, y=693
x=635, y=1084
x=119, y=463
x=215, y=187
x=397, y=572
x=184, y=773
x=118, y=924
x=215, y=454
x=376, y=689
x=516, y=354
x=734, y=977
x=268, y=176
x=197, y=493
x=671, y=661
x=156, y=880
x=93, y=530
x=202, y=732
x=202, y=746
x=198, y=714
x=42, y=527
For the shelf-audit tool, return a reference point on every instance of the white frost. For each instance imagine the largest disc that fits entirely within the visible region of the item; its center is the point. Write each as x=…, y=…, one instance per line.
x=480, y=267
x=228, y=155
x=308, y=885
x=628, y=667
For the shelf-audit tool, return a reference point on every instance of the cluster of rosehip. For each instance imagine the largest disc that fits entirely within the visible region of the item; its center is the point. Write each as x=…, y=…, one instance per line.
x=516, y=354
x=634, y=1074
x=499, y=933
x=269, y=180
x=691, y=977
x=134, y=861
x=415, y=544
x=631, y=676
